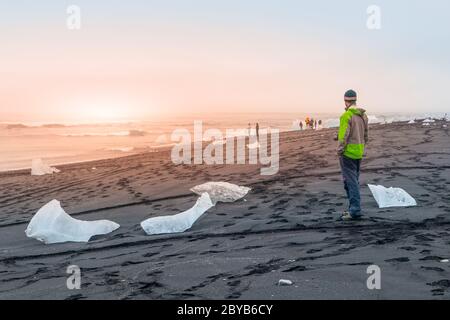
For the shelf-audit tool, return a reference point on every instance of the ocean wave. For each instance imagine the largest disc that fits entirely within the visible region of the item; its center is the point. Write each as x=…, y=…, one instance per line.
x=380, y=119
x=137, y=133
x=26, y=126
x=129, y=133
x=331, y=123
x=16, y=126
x=121, y=149
x=53, y=125
x=166, y=145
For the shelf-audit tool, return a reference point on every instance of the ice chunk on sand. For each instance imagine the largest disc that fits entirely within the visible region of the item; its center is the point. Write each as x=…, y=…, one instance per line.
x=221, y=191
x=39, y=168
x=429, y=120
x=210, y=193
x=179, y=222
x=412, y=122
x=284, y=282
x=51, y=224
x=391, y=197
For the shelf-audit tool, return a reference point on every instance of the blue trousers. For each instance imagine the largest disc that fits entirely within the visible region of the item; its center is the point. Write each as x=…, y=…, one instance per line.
x=350, y=172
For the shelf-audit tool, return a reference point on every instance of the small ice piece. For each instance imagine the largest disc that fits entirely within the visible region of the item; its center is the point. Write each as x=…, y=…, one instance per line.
x=429, y=120
x=162, y=139
x=284, y=282
x=391, y=197
x=221, y=191
x=39, y=168
x=444, y=260
x=412, y=122
x=179, y=222
x=51, y=224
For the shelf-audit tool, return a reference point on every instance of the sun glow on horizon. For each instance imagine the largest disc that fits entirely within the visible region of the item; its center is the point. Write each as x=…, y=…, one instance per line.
x=151, y=61
x=101, y=110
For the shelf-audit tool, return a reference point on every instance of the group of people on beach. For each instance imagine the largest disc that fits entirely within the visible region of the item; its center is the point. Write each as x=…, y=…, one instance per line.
x=310, y=123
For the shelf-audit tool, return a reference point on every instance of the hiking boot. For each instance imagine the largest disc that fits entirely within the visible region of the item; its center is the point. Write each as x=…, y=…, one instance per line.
x=346, y=216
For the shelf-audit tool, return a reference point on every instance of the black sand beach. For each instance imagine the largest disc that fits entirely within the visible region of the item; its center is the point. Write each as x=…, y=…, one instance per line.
x=285, y=229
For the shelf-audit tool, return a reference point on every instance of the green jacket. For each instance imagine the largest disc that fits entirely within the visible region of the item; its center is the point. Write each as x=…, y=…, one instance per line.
x=353, y=133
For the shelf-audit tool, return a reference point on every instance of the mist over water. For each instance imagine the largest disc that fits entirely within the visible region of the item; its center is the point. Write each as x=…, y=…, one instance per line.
x=59, y=143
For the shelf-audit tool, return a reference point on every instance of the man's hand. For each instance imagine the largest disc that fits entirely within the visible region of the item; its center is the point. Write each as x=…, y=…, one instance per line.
x=340, y=149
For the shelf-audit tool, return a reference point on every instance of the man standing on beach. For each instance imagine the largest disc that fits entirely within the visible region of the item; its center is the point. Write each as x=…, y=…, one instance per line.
x=353, y=137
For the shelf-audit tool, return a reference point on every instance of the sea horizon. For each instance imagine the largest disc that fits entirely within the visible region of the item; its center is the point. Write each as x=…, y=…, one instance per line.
x=65, y=143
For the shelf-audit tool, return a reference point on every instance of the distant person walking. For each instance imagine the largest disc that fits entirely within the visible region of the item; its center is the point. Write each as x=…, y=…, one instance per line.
x=301, y=125
x=353, y=137
x=257, y=131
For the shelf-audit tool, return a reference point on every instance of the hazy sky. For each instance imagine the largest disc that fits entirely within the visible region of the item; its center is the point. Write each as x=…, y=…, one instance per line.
x=140, y=59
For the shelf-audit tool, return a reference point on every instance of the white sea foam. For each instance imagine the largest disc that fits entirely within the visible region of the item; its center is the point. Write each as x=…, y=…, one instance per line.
x=121, y=149
x=128, y=133
x=331, y=123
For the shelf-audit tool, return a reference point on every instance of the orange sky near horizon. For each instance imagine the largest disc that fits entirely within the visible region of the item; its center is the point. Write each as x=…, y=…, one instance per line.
x=137, y=72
